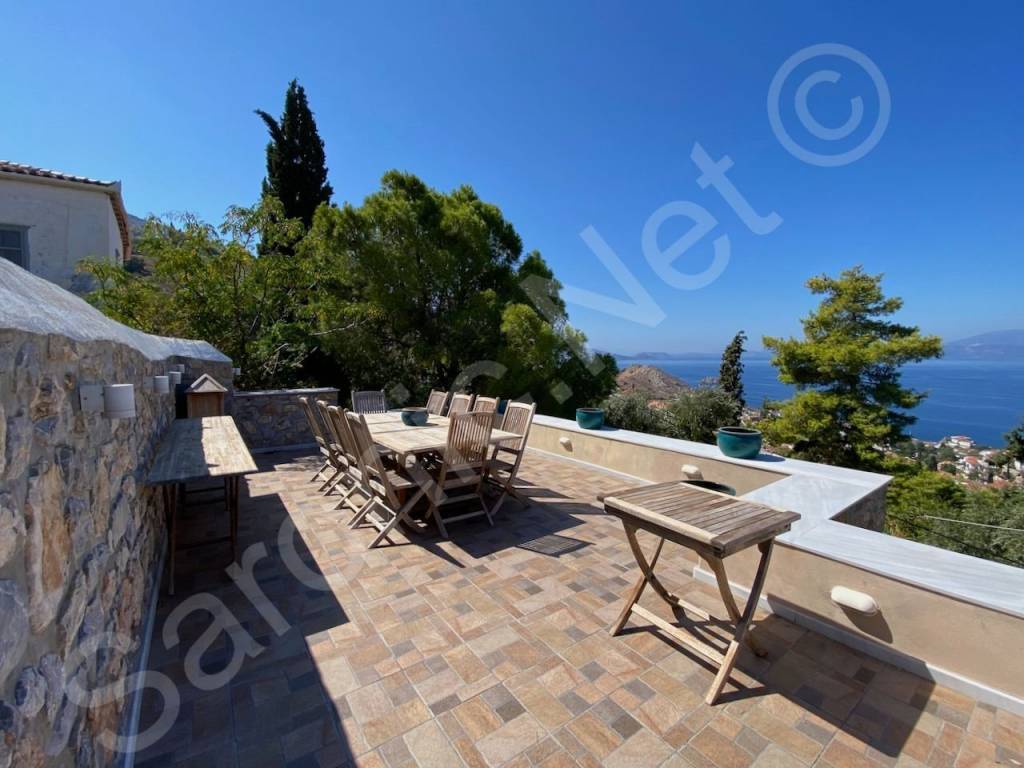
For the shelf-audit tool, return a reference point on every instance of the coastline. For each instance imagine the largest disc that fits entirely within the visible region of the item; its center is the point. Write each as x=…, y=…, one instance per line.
x=978, y=398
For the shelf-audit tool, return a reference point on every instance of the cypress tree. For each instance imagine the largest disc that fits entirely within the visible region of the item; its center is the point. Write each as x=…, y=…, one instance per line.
x=296, y=165
x=730, y=374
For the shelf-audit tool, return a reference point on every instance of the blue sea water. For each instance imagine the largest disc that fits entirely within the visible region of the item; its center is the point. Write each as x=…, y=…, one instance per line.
x=981, y=399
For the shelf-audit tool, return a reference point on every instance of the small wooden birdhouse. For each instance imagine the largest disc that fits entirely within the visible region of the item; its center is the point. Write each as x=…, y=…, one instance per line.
x=205, y=397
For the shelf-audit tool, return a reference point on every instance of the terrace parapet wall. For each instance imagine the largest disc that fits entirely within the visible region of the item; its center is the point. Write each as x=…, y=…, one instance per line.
x=274, y=419
x=920, y=591
x=81, y=535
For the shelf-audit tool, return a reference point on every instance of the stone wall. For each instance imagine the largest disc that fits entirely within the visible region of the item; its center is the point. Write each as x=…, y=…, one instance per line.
x=274, y=418
x=81, y=535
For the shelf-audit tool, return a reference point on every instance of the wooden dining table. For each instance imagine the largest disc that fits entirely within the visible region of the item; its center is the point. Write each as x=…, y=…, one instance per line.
x=388, y=430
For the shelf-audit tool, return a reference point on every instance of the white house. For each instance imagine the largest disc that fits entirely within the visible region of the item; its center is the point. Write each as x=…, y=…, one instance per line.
x=49, y=221
x=959, y=441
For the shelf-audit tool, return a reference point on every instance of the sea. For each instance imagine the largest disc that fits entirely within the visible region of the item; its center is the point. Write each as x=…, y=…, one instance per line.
x=981, y=399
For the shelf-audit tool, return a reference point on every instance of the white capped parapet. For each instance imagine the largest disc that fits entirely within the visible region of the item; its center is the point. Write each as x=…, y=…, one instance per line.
x=30, y=303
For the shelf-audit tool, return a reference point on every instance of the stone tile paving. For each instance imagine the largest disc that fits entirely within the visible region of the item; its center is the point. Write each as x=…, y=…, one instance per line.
x=480, y=652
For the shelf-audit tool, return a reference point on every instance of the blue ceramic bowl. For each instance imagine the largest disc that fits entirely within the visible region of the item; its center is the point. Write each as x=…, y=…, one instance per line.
x=414, y=417
x=739, y=442
x=590, y=418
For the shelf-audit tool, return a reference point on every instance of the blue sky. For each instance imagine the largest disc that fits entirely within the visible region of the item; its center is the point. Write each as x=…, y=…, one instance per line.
x=575, y=115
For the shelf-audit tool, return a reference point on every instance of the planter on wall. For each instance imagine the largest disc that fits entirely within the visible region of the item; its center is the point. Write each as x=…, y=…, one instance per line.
x=590, y=418
x=739, y=442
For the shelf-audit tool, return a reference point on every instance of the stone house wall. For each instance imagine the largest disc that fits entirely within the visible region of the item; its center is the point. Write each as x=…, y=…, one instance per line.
x=274, y=418
x=81, y=535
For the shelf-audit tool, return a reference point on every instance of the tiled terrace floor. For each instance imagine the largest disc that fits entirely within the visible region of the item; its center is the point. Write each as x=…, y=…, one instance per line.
x=478, y=651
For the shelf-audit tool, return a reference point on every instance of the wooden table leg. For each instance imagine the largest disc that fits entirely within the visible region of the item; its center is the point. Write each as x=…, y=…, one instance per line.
x=743, y=625
x=646, y=575
x=718, y=567
x=171, y=513
x=234, y=484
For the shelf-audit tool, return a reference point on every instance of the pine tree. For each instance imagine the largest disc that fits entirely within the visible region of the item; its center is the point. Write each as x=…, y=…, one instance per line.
x=730, y=374
x=849, y=406
x=296, y=169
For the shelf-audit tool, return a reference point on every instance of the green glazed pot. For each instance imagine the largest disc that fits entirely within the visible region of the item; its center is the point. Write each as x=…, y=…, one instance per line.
x=739, y=442
x=414, y=417
x=590, y=418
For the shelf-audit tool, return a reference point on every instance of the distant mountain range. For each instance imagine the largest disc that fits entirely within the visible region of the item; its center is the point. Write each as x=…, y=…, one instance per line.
x=994, y=346
x=666, y=356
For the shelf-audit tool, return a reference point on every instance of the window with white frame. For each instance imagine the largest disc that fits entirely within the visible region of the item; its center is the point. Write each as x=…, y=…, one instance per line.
x=14, y=245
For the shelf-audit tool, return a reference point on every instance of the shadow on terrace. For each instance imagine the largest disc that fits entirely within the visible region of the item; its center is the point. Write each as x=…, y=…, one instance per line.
x=492, y=648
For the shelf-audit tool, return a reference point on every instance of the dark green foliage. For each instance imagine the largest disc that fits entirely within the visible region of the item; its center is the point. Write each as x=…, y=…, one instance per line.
x=427, y=289
x=632, y=412
x=694, y=414
x=210, y=284
x=1015, y=443
x=413, y=290
x=850, y=405
x=296, y=164
x=698, y=411
x=981, y=517
x=730, y=374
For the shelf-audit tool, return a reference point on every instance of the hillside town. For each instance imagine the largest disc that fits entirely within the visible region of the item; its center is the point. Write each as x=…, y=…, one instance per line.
x=967, y=462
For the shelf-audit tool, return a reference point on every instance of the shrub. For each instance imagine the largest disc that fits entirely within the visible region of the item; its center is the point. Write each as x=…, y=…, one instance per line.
x=696, y=413
x=632, y=412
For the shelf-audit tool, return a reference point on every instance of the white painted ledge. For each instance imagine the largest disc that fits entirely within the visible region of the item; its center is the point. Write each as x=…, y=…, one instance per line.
x=819, y=492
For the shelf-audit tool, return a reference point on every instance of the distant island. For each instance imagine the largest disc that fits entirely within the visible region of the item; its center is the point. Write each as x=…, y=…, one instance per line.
x=992, y=346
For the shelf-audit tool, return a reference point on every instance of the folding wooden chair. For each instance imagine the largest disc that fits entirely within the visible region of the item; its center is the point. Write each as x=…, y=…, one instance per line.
x=385, y=510
x=486, y=405
x=336, y=455
x=317, y=427
x=463, y=465
x=502, y=470
x=461, y=403
x=436, y=402
x=369, y=401
x=357, y=495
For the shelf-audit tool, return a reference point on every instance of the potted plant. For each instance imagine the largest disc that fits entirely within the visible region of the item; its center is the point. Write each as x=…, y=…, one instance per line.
x=739, y=442
x=414, y=417
x=590, y=418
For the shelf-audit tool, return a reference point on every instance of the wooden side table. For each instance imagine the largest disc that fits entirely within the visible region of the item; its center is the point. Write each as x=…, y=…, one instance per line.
x=714, y=526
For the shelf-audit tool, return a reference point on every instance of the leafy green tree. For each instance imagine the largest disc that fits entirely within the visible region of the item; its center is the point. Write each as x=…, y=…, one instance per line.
x=850, y=405
x=933, y=509
x=210, y=284
x=296, y=164
x=912, y=495
x=1015, y=443
x=412, y=290
x=730, y=374
x=428, y=287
